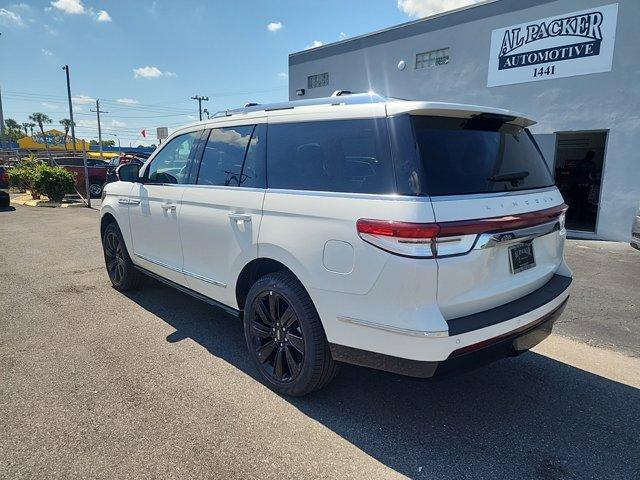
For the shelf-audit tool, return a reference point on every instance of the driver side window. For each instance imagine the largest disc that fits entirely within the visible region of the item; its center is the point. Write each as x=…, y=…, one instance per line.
x=173, y=163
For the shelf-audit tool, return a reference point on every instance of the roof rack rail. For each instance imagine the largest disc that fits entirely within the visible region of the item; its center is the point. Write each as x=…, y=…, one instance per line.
x=339, y=93
x=346, y=98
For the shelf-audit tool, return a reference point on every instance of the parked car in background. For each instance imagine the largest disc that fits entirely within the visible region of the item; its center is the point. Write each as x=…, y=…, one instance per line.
x=97, y=170
x=414, y=237
x=115, y=162
x=635, y=231
x=4, y=177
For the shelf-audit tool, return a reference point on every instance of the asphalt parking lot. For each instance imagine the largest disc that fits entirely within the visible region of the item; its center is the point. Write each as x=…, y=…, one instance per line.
x=154, y=384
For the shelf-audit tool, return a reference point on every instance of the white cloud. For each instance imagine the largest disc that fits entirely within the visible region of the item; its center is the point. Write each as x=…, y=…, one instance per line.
x=72, y=7
x=116, y=123
x=82, y=99
x=50, y=106
x=274, y=26
x=283, y=75
x=151, y=72
x=47, y=53
x=424, y=8
x=342, y=36
x=314, y=44
x=103, y=16
x=87, y=123
x=49, y=30
x=127, y=101
x=9, y=18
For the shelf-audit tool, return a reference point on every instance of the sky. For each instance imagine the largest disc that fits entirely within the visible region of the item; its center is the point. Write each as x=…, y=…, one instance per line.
x=145, y=59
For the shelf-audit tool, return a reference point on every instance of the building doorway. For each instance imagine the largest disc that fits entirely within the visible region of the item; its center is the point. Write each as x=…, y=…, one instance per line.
x=578, y=172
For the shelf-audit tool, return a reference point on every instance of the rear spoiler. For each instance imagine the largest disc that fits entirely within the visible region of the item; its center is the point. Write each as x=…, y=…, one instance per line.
x=456, y=110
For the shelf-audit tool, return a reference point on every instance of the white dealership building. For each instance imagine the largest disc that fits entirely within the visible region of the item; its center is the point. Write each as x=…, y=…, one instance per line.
x=572, y=65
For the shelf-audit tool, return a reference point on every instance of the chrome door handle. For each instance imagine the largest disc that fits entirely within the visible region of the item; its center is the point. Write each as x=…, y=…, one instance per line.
x=169, y=207
x=240, y=217
x=128, y=201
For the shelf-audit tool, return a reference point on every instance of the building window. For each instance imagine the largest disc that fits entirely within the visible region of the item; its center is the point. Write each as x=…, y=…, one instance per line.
x=319, y=80
x=432, y=58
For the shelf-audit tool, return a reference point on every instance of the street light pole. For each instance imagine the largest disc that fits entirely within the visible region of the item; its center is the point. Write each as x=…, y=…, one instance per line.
x=73, y=125
x=2, y=137
x=119, y=147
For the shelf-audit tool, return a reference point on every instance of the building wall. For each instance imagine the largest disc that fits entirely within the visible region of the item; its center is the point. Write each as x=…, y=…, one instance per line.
x=602, y=101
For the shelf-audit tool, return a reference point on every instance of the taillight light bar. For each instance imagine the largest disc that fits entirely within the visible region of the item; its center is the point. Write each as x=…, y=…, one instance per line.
x=428, y=240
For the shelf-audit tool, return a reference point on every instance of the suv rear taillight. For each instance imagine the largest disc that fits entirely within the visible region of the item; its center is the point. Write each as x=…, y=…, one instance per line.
x=429, y=240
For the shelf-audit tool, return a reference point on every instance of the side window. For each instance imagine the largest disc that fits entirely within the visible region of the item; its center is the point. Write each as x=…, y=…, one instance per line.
x=253, y=171
x=331, y=156
x=173, y=163
x=224, y=156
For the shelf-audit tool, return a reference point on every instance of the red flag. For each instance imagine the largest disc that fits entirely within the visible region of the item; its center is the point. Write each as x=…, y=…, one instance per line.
x=144, y=133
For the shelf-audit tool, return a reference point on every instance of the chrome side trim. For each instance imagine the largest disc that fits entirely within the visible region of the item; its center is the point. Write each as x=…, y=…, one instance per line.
x=489, y=240
x=184, y=272
x=157, y=262
x=205, y=279
x=390, y=328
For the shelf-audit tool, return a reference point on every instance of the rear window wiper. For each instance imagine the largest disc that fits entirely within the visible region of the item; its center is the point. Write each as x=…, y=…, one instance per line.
x=514, y=177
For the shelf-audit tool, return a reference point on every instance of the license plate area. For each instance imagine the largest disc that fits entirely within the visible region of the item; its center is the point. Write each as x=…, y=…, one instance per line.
x=521, y=257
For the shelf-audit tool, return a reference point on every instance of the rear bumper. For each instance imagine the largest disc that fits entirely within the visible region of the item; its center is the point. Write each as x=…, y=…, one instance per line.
x=478, y=339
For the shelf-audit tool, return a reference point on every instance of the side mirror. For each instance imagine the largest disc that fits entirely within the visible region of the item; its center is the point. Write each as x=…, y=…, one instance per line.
x=128, y=172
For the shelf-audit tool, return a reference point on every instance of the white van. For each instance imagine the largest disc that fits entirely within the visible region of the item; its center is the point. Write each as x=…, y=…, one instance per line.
x=408, y=236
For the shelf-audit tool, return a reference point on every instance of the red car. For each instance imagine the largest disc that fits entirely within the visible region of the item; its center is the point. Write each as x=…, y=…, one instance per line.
x=97, y=170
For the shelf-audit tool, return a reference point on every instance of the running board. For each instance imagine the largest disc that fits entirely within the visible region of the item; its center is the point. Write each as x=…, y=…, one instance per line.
x=188, y=291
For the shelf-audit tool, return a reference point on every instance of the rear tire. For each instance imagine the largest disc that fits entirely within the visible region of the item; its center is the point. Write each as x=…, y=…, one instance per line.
x=285, y=337
x=122, y=272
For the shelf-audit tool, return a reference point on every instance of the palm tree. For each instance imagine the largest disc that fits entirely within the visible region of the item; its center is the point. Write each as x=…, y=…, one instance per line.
x=41, y=119
x=66, y=124
x=25, y=125
x=14, y=132
x=31, y=125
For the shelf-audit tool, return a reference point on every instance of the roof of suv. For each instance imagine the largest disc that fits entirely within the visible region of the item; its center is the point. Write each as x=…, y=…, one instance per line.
x=393, y=106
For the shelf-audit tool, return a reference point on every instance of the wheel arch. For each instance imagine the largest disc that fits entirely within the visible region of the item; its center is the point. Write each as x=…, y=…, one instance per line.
x=252, y=271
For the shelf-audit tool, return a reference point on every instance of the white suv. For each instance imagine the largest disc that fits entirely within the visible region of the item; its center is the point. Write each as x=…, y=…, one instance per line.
x=413, y=237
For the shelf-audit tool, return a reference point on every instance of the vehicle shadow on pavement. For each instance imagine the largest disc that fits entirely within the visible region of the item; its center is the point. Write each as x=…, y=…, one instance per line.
x=524, y=417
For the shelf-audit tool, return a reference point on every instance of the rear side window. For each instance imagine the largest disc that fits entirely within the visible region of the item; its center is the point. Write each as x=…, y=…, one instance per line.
x=478, y=155
x=331, y=156
x=223, y=156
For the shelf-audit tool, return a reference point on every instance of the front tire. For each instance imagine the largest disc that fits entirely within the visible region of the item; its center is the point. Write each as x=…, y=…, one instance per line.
x=122, y=272
x=285, y=337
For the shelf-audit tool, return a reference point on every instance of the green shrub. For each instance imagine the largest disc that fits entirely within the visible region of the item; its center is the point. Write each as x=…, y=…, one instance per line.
x=54, y=182
x=23, y=176
x=18, y=178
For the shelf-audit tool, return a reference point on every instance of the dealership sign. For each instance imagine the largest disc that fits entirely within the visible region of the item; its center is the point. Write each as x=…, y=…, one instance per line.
x=562, y=46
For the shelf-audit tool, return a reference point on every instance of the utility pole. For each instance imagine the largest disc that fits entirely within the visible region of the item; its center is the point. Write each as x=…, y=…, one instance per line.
x=98, y=112
x=2, y=137
x=200, y=99
x=73, y=125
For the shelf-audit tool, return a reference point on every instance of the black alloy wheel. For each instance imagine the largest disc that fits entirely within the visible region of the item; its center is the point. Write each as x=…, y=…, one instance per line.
x=114, y=257
x=277, y=337
x=285, y=336
x=122, y=272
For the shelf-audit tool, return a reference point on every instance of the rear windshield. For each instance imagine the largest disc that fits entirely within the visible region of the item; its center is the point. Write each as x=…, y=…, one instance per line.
x=479, y=155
